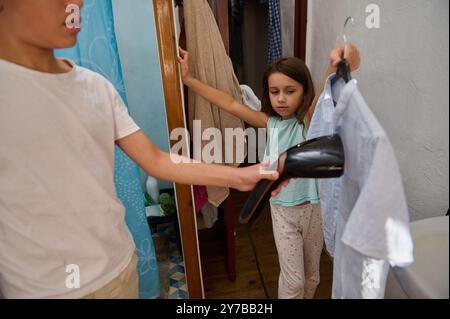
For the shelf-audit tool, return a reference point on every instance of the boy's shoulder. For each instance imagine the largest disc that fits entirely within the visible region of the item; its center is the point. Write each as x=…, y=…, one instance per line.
x=84, y=71
x=93, y=79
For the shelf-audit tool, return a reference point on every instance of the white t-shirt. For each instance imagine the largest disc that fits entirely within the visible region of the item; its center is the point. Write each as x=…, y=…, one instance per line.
x=59, y=211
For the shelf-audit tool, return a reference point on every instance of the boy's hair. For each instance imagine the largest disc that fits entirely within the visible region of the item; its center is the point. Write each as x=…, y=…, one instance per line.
x=297, y=70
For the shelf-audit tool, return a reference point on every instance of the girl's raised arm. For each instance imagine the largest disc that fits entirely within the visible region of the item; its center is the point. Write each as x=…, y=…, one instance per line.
x=220, y=98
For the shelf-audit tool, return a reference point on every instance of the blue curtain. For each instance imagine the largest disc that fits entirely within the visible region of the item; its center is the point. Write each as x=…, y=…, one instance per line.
x=97, y=50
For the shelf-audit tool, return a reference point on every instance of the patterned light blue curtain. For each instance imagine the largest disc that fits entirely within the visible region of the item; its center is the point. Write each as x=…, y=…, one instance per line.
x=97, y=50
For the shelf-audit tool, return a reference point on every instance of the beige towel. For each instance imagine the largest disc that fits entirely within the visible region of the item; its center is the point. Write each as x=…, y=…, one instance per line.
x=210, y=64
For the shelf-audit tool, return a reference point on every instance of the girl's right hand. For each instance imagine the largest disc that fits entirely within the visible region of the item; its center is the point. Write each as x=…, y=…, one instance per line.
x=346, y=51
x=183, y=59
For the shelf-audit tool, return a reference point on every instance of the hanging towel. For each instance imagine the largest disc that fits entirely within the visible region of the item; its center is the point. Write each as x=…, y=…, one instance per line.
x=213, y=5
x=365, y=212
x=210, y=64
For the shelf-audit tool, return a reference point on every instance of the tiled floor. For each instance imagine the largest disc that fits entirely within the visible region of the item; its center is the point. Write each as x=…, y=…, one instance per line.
x=177, y=277
x=171, y=264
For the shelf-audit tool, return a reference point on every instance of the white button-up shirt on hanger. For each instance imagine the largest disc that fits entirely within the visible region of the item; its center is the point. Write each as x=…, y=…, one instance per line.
x=366, y=220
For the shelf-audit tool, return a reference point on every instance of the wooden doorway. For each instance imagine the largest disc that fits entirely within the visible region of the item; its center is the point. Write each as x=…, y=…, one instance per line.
x=168, y=49
x=301, y=24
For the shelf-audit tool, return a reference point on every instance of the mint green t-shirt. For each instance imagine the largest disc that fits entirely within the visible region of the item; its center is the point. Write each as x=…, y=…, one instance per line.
x=290, y=133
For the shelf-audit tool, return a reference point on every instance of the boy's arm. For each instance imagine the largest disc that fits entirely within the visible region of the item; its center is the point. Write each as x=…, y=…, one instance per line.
x=164, y=166
x=220, y=98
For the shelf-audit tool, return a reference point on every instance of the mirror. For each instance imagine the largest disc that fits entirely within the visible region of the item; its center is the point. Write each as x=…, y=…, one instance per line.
x=144, y=88
x=139, y=44
x=230, y=267
x=174, y=101
x=146, y=40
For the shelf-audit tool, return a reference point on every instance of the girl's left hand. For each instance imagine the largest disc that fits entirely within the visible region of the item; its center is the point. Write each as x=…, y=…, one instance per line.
x=349, y=52
x=183, y=60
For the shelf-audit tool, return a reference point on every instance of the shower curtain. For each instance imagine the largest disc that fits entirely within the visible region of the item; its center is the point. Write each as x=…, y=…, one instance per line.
x=97, y=50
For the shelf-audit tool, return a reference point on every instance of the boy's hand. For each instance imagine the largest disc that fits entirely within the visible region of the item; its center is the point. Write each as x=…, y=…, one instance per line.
x=183, y=59
x=250, y=176
x=253, y=174
x=347, y=51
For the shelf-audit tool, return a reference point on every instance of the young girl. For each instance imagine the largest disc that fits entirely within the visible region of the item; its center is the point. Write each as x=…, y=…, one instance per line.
x=288, y=106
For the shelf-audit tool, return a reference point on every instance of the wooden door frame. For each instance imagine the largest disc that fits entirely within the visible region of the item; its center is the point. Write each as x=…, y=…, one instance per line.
x=301, y=27
x=223, y=22
x=165, y=27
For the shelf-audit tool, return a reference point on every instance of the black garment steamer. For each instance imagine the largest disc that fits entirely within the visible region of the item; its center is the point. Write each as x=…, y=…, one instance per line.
x=320, y=158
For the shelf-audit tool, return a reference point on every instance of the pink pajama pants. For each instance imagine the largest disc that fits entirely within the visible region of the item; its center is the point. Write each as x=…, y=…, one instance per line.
x=299, y=239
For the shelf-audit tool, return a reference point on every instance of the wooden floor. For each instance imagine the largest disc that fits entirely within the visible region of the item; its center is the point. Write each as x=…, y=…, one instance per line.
x=248, y=285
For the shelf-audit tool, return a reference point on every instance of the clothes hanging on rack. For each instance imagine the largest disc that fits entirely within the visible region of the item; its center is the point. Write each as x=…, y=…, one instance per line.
x=213, y=5
x=366, y=219
x=275, y=45
x=274, y=49
x=210, y=64
x=236, y=23
x=250, y=99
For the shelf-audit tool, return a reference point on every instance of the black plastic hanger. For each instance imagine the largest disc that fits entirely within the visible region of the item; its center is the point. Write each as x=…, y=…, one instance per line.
x=343, y=72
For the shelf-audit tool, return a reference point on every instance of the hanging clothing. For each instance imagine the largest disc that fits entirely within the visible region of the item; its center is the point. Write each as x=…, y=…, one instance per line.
x=250, y=99
x=200, y=197
x=236, y=8
x=365, y=211
x=213, y=5
x=322, y=124
x=275, y=50
x=208, y=217
x=100, y=54
x=210, y=64
x=274, y=30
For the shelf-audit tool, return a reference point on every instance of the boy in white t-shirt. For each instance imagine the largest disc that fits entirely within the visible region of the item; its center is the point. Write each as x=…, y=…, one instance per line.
x=59, y=124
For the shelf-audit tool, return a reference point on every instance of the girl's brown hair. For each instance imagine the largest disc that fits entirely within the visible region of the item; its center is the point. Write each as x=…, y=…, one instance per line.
x=297, y=70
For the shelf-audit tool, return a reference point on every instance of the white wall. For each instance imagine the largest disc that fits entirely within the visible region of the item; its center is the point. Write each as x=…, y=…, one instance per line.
x=404, y=78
